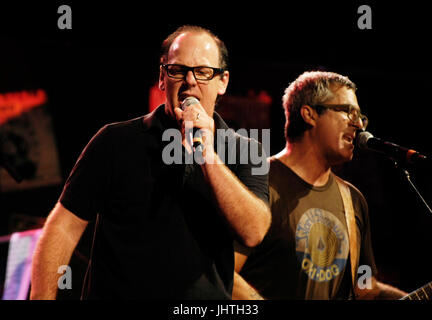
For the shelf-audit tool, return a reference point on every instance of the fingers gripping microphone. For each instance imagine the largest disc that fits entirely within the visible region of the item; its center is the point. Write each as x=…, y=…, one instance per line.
x=365, y=140
x=193, y=135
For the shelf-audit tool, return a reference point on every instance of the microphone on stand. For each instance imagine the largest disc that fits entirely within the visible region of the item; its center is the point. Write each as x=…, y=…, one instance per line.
x=366, y=141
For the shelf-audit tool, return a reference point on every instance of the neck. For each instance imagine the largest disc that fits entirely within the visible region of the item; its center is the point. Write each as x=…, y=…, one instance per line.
x=306, y=162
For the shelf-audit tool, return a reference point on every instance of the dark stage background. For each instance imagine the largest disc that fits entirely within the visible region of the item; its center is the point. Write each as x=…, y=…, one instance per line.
x=101, y=71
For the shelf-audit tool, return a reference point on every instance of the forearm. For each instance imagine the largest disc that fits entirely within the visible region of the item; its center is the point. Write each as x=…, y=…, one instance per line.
x=247, y=215
x=243, y=290
x=388, y=292
x=54, y=249
x=48, y=257
x=379, y=291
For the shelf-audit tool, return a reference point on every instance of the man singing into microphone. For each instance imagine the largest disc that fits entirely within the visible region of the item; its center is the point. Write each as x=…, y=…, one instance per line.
x=313, y=249
x=163, y=231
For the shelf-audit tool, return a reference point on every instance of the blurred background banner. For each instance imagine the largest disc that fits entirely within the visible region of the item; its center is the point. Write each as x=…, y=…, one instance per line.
x=19, y=260
x=27, y=143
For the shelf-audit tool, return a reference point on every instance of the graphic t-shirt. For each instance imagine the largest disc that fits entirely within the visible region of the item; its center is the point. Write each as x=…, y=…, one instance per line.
x=305, y=254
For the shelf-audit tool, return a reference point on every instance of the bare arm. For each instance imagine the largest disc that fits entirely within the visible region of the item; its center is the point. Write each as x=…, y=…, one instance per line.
x=248, y=215
x=380, y=291
x=245, y=213
x=59, y=238
x=241, y=289
x=387, y=291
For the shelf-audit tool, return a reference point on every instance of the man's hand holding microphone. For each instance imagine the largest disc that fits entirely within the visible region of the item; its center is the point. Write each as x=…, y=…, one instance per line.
x=197, y=129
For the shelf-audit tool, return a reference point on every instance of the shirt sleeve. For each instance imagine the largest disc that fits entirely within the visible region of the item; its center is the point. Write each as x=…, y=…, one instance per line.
x=252, y=168
x=86, y=188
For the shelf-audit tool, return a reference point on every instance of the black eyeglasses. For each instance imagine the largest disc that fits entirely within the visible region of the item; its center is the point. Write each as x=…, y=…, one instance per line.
x=202, y=73
x=353, y=113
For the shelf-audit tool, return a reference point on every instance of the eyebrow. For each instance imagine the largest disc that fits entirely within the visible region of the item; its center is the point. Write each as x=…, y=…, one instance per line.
x=348, y=105
x=185, y=66
x=344, y=105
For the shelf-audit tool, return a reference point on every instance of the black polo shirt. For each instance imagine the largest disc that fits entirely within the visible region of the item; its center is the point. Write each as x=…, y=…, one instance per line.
x=159, y=233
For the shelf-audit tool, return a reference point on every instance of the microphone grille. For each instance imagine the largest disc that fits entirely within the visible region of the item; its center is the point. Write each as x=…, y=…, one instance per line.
x=189, y=101
x=363, y=138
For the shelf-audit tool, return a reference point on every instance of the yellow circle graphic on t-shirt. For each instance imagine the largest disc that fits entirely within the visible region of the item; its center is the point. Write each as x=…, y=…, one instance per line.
x=321, y=244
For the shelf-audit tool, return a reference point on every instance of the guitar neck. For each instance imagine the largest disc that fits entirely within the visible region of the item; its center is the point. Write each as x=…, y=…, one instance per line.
x=423, y=293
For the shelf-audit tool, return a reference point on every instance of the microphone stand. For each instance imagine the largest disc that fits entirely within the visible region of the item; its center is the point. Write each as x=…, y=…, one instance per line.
x=407, y=176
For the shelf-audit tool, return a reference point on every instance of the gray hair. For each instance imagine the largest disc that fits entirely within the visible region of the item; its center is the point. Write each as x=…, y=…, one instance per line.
x=310, y=88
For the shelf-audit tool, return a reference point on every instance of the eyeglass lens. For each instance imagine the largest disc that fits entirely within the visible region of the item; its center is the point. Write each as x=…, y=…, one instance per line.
x=180, y=72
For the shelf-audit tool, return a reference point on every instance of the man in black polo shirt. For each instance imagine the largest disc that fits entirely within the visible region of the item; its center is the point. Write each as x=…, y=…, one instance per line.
x=163, y=230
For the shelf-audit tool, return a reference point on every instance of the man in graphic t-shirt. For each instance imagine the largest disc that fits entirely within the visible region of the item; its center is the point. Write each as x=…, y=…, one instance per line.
x=306, y=253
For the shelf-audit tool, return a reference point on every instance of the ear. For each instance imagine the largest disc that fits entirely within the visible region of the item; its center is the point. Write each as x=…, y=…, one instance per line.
x=223, y=83
x=309, y=114
x=161, y=79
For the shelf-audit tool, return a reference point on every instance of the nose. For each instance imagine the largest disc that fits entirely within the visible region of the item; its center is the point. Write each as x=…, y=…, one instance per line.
x=364, y=122
x=358, y=123
x=190, y=78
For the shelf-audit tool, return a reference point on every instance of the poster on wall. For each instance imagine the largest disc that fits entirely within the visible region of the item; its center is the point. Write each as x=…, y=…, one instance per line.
x=28, y=152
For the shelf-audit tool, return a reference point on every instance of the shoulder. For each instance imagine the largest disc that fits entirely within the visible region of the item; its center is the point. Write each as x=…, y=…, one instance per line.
x=241, y=135
x=357, y=196
x=117, y=130
x=278, y=178
x=352, y=188
x=273, y=162
x=279, y=172
x=157, y=119
x=127, y=125
x=241, y=143
x=112, y=135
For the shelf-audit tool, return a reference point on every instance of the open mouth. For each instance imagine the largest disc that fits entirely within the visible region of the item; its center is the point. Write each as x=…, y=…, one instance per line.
x=183, y=96
x=348, y=138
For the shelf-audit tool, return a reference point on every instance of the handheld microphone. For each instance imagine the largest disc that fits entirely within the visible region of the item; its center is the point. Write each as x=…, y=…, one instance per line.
x=194, y=135
x=365, y=140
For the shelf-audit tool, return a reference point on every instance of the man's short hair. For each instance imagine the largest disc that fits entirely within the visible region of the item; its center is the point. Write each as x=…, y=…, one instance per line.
x=310, y=88
x=166, y=44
